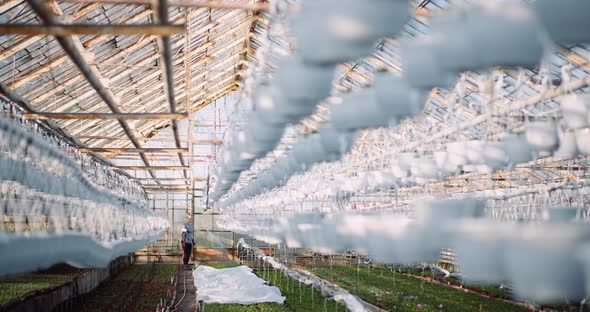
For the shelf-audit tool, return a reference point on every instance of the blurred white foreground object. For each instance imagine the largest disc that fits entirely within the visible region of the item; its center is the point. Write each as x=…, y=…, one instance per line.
x=566, y=21
x=335, y=31
x=479, y=245
x=541, y=262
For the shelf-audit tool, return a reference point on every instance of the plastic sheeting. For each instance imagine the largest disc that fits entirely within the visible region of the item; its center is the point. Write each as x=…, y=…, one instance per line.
x=25, y=252
x=351, y=302
x=234, y=285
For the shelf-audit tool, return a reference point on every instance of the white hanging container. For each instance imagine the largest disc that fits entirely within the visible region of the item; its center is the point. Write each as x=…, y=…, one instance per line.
x=474, y=150
x=541, y=262
x=542, y=135
x=396, y=98
x=567, y=144
x=565, y=21
x=457, y=154
x=479, y=246
x=421, y=68
x=517, y=149
x=583, y=140
x=358, y=110
x=336, y=31
x=560, y=214
x=504, y=34
x=495, y=155
x=575, y=109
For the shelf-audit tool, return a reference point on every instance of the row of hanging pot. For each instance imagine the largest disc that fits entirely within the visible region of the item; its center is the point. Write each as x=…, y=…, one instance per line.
x=544, y=262
x=29, y=160
x=36, y=252
x=96, y=171
x=541, y=138
x=328, y=32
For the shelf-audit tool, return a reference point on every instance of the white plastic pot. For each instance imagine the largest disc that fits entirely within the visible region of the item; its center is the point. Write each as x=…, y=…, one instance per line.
x=583, y=140
x=565, y=21
x=378, y=180
x=358, y=110
x=479, y=246
x=475, y=151
x=504, y=34
x=494, y=155
x=270, y=106
x=452, y=45
x=567, y=144
x=457, y=154
x=302, y=82
x=383, y=233
x=445, y=167
x=309, y=151
x=542, y=136
x=401, y=164
x=517, y=149
x=396, y=98
x=575, y=110
x=237, y=163
x=583, y=255
x=417, y=243
x=260, y=130
x=335, y=31
x=541, y=262
x=424, y=168
x=438, y=211
x=422, y=69
x=335, y=142
x=560, y=214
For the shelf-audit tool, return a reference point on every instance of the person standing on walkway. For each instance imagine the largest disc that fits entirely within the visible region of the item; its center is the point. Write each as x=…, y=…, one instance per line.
x=187, y=240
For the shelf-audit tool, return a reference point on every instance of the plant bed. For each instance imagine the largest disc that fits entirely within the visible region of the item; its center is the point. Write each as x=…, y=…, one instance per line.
x=260, y=307
x=138, y=288
x=19, y=287
x=299, y=297
x=390, y=290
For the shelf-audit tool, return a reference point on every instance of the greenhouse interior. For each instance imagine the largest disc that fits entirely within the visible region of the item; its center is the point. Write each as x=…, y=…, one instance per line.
x=294, y=155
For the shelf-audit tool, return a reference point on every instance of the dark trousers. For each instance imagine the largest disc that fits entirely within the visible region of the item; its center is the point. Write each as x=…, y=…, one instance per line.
x=187, y=252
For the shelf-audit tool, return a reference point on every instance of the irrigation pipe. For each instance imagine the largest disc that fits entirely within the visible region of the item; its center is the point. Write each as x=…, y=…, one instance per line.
x=351, y=302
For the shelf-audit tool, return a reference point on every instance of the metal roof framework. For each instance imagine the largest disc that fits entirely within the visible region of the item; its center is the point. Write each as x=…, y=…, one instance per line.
x=413, y=134
x=112, y=73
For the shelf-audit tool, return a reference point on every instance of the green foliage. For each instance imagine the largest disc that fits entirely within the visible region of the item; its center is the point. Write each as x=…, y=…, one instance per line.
x=393, y=291
x=114, y=293
x=164, y=272
x=20, y=286
x=260, y=307
x=14, y=291
x=299, y=297
x=491, y=290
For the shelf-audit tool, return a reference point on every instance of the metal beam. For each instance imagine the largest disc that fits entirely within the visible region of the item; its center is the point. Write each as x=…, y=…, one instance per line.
x=172, y=168
x=72, y=48
x=165, y=186
x=111, y=138
x=150, y=77
x=85, y=29
x=134, y=150
x=118, y=116
x=171, y=179
x=161, y=16
x=27, y=107
x=187, y=3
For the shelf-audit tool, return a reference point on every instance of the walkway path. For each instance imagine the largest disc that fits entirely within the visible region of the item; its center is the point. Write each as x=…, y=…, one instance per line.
x=189, y=303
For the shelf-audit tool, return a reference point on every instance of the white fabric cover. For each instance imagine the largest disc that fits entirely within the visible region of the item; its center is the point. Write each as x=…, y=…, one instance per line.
x=233, y=285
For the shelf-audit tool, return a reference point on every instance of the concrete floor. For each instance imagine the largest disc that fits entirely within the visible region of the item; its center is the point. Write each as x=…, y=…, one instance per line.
x=189, y=303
